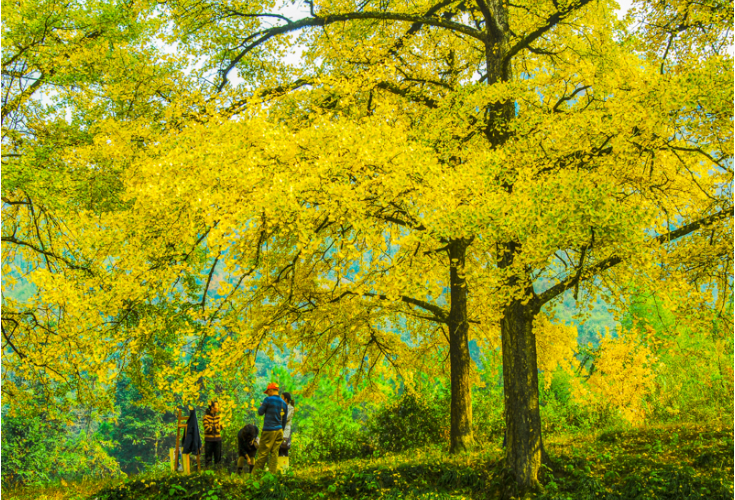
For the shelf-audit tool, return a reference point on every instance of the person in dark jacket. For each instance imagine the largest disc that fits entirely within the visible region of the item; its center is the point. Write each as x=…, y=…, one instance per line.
x=247, y=446
x=212, y=437
x=275, y=414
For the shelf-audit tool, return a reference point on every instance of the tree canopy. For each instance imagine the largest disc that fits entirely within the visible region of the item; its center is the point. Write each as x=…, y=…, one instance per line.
x=179, y=197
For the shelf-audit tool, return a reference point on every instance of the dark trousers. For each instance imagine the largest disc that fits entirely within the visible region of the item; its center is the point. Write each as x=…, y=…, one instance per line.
x=212, y=449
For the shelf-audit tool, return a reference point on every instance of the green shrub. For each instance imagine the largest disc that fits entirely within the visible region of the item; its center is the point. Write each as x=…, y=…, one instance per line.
x=325, y=428
x=410, y=421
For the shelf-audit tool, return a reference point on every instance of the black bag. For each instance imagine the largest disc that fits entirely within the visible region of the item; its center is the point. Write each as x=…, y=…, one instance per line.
x=285, y=444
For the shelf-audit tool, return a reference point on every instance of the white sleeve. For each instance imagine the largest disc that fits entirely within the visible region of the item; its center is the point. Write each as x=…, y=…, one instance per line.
x=287, y=430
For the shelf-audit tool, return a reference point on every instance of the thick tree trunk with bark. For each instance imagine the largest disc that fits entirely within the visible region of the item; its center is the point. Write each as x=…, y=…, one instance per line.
x=524, y=446
x=459, y=352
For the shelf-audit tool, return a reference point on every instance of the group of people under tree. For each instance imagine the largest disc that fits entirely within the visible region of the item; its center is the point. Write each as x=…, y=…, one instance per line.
x=270, y=448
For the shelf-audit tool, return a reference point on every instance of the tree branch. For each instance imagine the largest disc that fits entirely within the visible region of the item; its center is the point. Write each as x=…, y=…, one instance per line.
x=613, y=260
x=235, y=13
x=8, y=201
x=415, y=27
x=555, y=109
x=485, y=10
x=440, y=314
x=7, y=337
x=209, y=279
x=45, y=253
x=395, y=220
x=261, y=239
x=552, y=21
x=411, y=96
x=318, y=21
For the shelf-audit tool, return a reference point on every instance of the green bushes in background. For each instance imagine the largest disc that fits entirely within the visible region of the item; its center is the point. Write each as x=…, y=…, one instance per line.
x=38, y=451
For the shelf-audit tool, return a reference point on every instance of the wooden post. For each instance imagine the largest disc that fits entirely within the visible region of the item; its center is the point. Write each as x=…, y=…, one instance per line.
x=179, y=426
x=171, y=454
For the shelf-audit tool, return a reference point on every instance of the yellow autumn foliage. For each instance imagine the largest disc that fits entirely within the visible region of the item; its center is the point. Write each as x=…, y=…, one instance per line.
x=621, y=378
x=168, y=228
x=556, y=345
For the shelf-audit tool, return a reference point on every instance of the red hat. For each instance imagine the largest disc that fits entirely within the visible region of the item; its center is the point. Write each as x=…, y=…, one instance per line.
x=272, y=385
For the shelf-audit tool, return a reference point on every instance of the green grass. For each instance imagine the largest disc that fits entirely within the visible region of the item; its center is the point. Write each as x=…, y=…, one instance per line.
x=674, y=461
x=671, y=462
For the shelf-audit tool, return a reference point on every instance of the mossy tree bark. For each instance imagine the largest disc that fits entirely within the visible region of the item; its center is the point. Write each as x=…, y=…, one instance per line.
x=524, y=446
x=459, y=353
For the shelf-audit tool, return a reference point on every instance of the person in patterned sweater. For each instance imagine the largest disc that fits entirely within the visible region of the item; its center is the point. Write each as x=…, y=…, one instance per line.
x=212, y=437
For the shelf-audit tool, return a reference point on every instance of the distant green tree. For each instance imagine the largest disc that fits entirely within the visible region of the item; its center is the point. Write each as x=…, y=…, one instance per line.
x=37, y=450
x=140, y=435
x=694, y=345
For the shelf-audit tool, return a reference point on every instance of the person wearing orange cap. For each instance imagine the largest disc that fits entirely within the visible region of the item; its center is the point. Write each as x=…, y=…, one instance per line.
x=275, y=415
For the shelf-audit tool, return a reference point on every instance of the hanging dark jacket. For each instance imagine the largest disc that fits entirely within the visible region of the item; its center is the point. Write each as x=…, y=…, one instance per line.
x=192, y=442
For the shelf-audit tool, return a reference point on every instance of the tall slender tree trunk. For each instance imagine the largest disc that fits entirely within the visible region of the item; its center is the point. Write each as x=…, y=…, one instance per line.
x=459, y=351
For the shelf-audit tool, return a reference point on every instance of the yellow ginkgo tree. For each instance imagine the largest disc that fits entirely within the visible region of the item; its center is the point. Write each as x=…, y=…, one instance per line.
x=68, y=70
x=437, y=162
x=429, y=173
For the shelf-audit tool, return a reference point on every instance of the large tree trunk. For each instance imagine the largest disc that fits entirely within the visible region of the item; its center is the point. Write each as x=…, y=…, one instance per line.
x=524, y=447
x=459, y=351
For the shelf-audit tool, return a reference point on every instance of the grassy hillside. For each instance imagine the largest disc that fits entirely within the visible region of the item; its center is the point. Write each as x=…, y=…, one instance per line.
x=685, y=461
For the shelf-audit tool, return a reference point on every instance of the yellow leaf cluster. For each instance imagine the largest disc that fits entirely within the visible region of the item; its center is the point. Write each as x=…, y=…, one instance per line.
x=556, y=345
x=621, y=377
